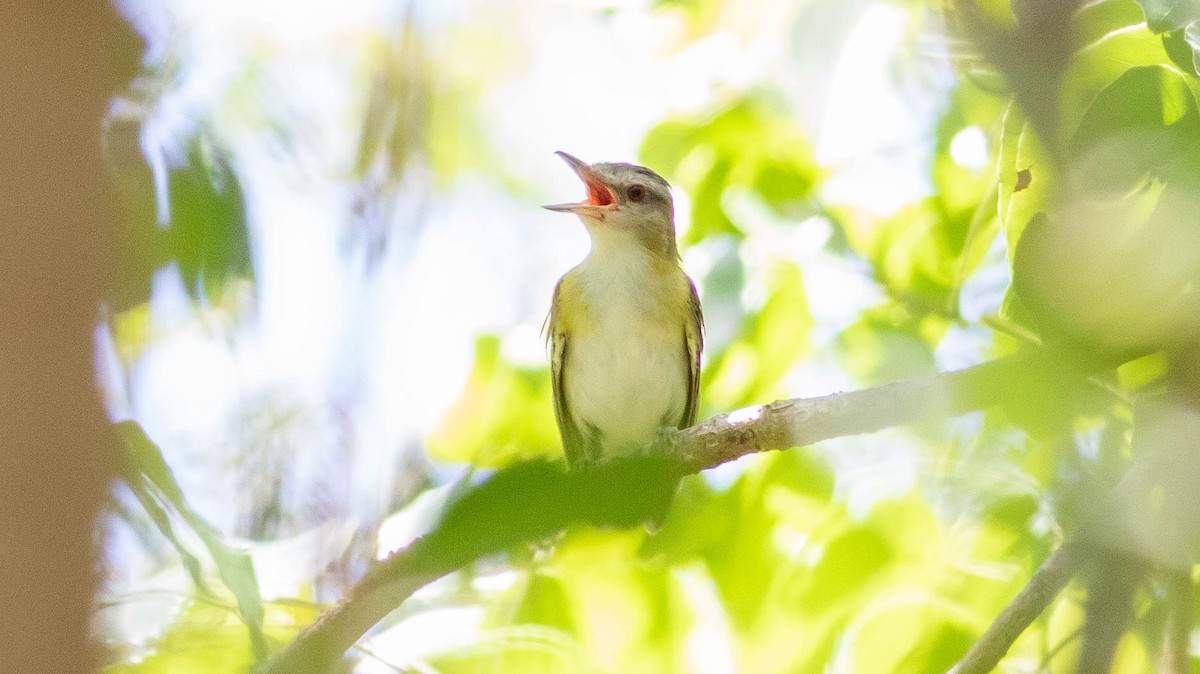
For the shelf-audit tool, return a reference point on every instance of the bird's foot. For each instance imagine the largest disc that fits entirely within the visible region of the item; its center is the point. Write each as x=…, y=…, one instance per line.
x=663, y=441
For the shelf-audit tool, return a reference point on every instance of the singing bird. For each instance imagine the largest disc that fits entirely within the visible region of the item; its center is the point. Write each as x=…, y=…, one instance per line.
x=625, y=326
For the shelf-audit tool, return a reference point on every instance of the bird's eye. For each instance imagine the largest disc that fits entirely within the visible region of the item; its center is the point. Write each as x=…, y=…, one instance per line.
x=637, y=192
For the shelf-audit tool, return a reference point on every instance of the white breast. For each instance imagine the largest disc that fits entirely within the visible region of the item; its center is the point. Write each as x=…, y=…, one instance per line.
x=627, y=374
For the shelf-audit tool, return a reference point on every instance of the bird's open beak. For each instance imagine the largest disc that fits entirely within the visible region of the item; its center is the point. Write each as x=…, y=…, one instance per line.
x=600, y=197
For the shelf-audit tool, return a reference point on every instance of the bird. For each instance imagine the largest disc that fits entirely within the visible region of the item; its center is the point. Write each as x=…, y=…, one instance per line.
x=625, y=328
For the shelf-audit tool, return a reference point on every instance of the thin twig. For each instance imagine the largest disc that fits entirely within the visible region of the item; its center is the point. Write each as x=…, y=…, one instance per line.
x=1113, y=580
x=1041, y=590
x=1176, y=658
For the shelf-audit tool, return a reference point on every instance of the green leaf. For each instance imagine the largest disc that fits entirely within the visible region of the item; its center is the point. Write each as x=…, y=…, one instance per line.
x=1122, y=215
x=146, y=472
x=632, y=616
x=741, y=560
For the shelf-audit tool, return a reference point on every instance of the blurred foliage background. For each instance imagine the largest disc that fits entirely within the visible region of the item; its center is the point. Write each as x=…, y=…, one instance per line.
x=334, y=270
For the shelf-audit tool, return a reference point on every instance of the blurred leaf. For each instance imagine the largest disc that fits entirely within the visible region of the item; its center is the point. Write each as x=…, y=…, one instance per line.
x=702, y=14
x=540, y=598
x=768, y=343
x=1025, y=176
x=206, y=639
x=1124, y=287
x=908, y=635
x=917, y=254
x=1183, y=46
x=207, y=222
x=1166, y=15
x=505, y=413
x=740, y=558
x=514, y=650
x=1095, y=20
x=632, y=617
x=849, y=563
x=1143, y=372
x=887, y=344
x=1138, y=126
x=959, y=186
x=1098, y=64
x=752, y=145
x=204, y=231
x=146, y=472
x=1011, y=511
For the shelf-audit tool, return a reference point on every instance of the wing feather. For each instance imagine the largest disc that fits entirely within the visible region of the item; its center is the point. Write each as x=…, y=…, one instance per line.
x=572, y=439
x=693, y=341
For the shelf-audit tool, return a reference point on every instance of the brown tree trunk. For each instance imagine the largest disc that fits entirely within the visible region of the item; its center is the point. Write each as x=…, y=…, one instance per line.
x=55, y=229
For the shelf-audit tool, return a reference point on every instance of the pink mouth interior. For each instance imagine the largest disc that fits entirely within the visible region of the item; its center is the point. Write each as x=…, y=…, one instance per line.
x=598, y=194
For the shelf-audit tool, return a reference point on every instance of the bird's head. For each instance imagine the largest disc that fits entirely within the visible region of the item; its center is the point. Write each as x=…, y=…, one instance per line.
x=624, y=202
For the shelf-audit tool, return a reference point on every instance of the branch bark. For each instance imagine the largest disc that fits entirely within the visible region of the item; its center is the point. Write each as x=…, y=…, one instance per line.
x=804, y=421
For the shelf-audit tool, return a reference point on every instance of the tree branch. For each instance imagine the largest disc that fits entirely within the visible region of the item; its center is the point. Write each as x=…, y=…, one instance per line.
x=530, y=502
x=804, y=421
